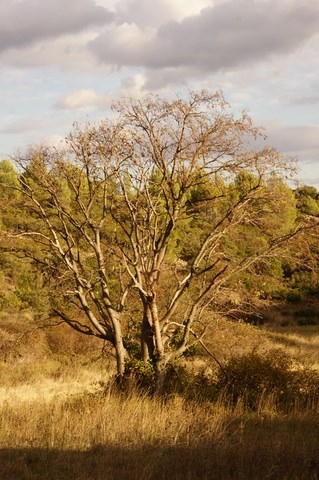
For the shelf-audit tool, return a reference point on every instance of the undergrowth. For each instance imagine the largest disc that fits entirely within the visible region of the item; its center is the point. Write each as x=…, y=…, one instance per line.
x=254, y=418
x=107, y=434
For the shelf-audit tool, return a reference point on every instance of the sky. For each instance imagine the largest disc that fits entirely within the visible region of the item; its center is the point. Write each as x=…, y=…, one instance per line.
x=66, y=61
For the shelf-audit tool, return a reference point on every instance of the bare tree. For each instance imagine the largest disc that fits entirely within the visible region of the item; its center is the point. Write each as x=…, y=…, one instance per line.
x=107, y=217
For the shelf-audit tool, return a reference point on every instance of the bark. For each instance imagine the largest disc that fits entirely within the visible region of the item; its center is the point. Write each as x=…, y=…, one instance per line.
x=147, y=341
x=119, y=348
x=160, y=370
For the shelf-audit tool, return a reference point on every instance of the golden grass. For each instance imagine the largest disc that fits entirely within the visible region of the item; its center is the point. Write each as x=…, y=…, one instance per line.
x=63, y=421
x=302, y=343
x=109, y=436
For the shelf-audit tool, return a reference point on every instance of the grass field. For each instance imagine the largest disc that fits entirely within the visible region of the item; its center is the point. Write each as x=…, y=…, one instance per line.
x=105, y=436
x=62, y=420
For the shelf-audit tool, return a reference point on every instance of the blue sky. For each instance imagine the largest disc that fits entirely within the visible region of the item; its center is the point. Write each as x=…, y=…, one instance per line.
x=65, y=61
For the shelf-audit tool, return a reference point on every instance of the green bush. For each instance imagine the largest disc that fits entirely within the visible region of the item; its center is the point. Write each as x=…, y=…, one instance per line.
x=248, y=378
x=178, y=379
x=307, y=316
x=252, y=376
x=190, y=385
x=140, y=374
x=193, y=349
x=294, y=296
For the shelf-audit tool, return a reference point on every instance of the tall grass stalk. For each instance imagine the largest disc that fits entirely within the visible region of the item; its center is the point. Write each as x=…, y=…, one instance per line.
x=105, y=435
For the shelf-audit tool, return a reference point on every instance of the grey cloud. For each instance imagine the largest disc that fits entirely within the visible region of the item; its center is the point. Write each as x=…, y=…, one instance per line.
x=300, y=140
x=23, y=22
x=310, y=179
x=229, y=35
x=169, y=77
x=307, y=100
x=22, y=125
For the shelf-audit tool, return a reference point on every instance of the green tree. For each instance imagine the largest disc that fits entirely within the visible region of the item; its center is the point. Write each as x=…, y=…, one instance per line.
x=308, y=200
x=21, y=285
x=108, y=216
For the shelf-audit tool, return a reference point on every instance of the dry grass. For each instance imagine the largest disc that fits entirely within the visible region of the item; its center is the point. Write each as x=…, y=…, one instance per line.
x=302, y=343
x=49, y=389
x=227, y=339
x=64, y=422
x=108, y=436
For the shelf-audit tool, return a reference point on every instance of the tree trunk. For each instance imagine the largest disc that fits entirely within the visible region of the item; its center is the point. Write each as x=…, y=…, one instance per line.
x=120, y=351
x=160, y=370
x=147, y=340
x=156, y=329
x=152, y=343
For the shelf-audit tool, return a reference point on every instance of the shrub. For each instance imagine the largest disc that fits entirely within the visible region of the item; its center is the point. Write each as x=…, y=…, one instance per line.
x=294, y=296
x=194, y=386
x=139, y=374
x=178, y=380
x=308, y=316
x=252, y=376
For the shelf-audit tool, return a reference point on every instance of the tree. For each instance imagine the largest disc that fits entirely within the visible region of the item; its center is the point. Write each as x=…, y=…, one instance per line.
x=109, y=214
x=307, y=200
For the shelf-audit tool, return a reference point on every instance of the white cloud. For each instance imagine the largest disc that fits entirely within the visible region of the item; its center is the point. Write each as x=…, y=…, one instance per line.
x=54, y=140
x=66, y=60
x=306, y=100
x=83, y=98
x=187, y=8
x=147, y=13
x=133, y=86
x=124, y=45
x=68, y=52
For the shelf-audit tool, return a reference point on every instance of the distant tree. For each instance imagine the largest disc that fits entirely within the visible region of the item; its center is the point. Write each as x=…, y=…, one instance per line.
x=308, y=200
x=21, y=283
x=143, y=221
x=307, y=191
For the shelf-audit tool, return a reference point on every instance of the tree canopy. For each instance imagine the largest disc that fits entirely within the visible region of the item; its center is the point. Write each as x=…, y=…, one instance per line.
x=144, y=223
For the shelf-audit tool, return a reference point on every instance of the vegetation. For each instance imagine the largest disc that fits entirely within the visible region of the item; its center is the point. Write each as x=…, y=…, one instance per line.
x=69, y=423
x=143, y=438
x=145, y=223
x=154, y=246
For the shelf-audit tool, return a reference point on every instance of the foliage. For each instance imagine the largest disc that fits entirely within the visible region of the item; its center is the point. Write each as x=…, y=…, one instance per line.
x=149, y=216
x=307, y=200
x=249, y=377
x=307, y=316
x=139, y=375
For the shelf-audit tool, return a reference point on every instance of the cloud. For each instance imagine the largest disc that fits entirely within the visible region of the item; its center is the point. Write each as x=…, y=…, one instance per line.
x=67, y=52
x=300, y=142
x=144, y=12
x=147, y=13
x=306, y=100
x=16, y=125
x=54, y=140
x=294, y=139
x=125, y=45
x=83, y=98
x=23, y=22
x=229, y=35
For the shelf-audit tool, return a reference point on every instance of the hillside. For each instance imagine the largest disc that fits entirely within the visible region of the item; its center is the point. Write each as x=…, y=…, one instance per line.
x=47, y=347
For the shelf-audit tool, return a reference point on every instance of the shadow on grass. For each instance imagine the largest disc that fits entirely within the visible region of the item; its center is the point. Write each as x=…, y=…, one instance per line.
x=213, y=461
